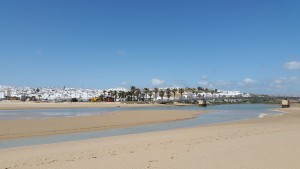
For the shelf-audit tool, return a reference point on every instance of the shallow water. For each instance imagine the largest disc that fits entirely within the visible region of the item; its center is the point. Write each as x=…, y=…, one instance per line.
x=221, y=114
x=48, y=113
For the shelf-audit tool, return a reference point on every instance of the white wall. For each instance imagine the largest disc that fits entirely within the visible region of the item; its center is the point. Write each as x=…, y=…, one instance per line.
x=2, y=95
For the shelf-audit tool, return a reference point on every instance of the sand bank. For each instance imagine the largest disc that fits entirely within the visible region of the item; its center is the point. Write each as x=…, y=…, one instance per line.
x=16, y=105
x=10, y=129
x=269, y=142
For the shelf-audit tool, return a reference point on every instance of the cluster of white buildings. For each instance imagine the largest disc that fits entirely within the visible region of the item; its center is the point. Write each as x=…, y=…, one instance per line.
x=48, y=93
x=218, y=94
x=56, y=94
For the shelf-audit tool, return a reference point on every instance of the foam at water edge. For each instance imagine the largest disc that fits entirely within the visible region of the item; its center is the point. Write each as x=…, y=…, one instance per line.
x=282, y=112
x=262, y=115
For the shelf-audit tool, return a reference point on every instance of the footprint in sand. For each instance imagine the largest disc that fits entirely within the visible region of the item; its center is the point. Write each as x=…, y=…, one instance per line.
x=152, y=162
x=52, y=161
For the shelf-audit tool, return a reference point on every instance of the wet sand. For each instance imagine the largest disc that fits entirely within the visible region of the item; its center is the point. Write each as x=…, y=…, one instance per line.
x=11, y=129
x=271, y=142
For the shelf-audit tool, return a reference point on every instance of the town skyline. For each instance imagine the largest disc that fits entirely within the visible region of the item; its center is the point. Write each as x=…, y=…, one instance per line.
x=88, y=93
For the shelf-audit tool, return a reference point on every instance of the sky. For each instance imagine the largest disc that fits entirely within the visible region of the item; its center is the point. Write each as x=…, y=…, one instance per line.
x=247, y=45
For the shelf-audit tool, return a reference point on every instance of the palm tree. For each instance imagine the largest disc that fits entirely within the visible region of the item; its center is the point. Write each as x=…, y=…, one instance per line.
x=161, y=94
x=174, y=91
x=168, y=92
x=146, y=91
x=39, y=96
x=121, y=94
x=115, y=93
x=181, y=90
x=137, y=93
x=132, y=90
x=150, y=94
x=155, y=90
x=128, y=95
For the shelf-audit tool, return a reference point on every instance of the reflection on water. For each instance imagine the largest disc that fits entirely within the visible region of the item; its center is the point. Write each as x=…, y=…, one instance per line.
x=221, y=113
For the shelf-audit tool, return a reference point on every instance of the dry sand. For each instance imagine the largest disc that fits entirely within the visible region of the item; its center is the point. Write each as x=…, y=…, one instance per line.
x=15, y=105
x=271, y=142
x=10, y=129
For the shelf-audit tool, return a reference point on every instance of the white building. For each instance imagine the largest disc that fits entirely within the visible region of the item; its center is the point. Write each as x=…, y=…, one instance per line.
x=2, y=95
x=7, y=93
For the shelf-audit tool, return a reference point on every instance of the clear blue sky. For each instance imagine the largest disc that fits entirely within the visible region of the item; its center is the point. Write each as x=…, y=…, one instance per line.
x=247, y=45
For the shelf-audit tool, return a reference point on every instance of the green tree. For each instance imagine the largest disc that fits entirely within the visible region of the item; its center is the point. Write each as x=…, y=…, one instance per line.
x=194, y=91
x=174, y=91
x=155, y=90
x=181, y=91
x=200, y=89
x=161, y=94
x=146, y=91
x=132, y=91
x=128, y=96
x=150, y=94
x=137, y=93
x=115, y=94
x=121, y=94
x=168, y=92
x=39, y=96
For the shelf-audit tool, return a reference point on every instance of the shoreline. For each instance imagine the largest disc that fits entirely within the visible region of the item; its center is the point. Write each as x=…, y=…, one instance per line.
x=68, y=105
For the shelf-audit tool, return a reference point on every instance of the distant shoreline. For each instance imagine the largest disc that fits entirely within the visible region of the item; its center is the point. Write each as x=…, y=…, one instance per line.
x=18, y=105
x=68, y=105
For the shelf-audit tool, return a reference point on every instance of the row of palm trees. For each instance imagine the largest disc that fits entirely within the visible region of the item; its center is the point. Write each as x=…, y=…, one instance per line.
x=136, y=94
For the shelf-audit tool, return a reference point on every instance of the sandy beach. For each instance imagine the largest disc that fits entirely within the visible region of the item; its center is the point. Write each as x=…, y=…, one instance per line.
x=271, y=142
